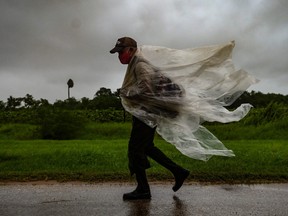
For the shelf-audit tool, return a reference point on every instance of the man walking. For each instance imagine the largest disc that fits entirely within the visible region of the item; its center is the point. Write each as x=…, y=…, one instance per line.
x=140, y=86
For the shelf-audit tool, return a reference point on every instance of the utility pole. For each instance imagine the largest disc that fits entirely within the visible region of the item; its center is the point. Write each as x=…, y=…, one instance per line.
x=70, y=84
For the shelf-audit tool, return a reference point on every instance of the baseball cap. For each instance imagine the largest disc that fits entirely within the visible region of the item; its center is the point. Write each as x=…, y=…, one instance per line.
x=122, y=43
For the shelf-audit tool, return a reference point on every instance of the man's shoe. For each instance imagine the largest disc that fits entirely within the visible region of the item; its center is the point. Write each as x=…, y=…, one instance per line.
x=136, y=195
x=179, y=179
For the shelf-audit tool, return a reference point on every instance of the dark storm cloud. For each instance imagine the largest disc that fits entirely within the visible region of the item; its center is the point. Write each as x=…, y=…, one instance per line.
x=43, y=43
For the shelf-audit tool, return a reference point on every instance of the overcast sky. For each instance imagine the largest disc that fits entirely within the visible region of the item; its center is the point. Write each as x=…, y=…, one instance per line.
x=43, y=43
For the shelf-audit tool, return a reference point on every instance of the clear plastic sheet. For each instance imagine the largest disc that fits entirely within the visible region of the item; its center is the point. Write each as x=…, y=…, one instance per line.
x=177, y=90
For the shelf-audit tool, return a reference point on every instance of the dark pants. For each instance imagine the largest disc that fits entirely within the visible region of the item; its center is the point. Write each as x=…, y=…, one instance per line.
x=141, y=145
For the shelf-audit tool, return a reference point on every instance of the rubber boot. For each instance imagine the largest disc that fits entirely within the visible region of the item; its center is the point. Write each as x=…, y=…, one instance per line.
x=180, y=174
x=142, y=190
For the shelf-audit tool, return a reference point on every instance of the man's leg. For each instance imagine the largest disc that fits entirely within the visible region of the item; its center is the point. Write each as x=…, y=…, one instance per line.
x=141, y=137
x=180, y=174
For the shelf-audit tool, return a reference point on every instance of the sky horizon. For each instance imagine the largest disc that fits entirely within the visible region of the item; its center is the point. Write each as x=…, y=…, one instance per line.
x=45, y=43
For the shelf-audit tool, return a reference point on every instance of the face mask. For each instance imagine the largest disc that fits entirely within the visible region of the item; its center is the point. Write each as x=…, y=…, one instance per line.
x=125, y=57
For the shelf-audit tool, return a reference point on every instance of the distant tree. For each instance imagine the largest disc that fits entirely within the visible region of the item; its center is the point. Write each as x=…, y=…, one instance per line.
x=117, y=93
x=44, y=102
x=85, y=102
x=105, y=99
x=2, y=105
x=13, y=103
x=70, y=104
x=59, y=104
x=29, y=101
x=103, y=92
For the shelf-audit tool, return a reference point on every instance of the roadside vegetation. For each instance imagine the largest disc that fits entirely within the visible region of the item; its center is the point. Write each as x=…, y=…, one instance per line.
x=63, y=142
x=105, y=160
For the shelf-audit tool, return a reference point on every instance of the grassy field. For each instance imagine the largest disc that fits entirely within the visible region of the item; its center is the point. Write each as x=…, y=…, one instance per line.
x=98, y=151
x=105, y=159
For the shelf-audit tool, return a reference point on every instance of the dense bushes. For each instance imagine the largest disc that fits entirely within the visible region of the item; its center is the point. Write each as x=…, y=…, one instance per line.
x=31, y=116
x=56, y=123
x=272, y=113
x=59, y=124
x=262, y=123
x=19, y=116
x=108, y=115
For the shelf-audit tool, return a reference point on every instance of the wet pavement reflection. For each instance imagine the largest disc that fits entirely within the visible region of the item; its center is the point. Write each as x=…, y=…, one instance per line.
x=142, y=207
x=69, y=199
x=179, y=207
x=138, y=207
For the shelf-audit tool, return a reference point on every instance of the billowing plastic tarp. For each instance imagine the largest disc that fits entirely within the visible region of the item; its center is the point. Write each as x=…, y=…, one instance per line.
x=177, y=90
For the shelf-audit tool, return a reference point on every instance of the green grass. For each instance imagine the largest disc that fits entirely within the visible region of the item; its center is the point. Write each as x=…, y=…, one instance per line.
x=100, y=154
x=106, y=160
x=18, y=131
x=111, y=130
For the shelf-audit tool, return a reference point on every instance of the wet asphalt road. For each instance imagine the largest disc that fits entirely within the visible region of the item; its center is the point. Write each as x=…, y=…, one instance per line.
x=106, y=199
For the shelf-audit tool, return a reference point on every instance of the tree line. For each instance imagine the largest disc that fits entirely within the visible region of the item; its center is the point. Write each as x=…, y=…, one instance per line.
x=260, y=100
x=66, y=119
x=104, y=99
